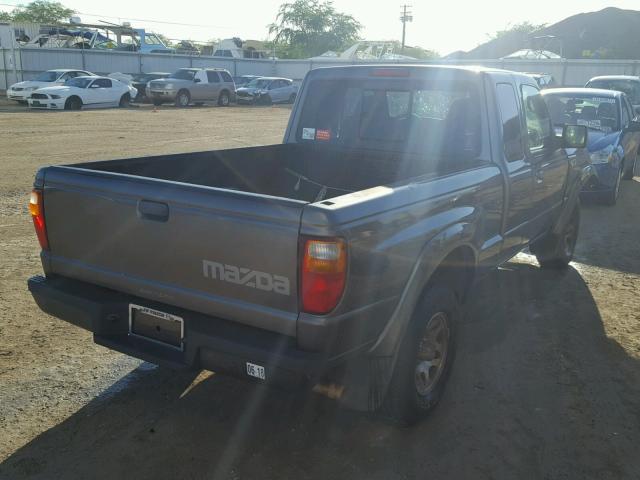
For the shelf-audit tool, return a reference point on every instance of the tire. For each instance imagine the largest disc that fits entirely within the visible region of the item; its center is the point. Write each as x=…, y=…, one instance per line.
x=224, y=99
x=418, y=382
x=125, y=101
x=556, y=251
x=156, y=102
x=628, y=175
x=611, y=197
x=183, y=99
x=73, y=103
x=266, y=100
x=292, y=98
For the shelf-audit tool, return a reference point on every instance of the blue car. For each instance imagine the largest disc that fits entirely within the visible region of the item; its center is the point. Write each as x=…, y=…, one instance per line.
x=614, y=134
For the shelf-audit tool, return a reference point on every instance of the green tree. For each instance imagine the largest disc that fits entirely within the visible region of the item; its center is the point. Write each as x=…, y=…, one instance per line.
x=41, y=11
x=523, y=28
x=5, y=17
x=305, y=28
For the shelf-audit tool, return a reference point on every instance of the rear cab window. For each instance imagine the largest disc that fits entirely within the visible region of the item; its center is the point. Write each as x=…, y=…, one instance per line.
x=438, y=117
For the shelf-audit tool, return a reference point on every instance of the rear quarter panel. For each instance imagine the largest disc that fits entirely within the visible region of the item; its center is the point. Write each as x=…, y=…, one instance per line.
x=397, y=236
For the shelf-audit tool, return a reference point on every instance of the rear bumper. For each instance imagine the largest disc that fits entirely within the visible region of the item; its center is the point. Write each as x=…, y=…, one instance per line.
x=209, y=343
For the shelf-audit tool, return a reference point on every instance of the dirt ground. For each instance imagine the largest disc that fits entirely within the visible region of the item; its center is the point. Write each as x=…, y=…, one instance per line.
x=546, y=383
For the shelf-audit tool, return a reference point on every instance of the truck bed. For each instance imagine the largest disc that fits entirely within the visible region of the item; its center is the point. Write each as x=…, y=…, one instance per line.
x=307, y=173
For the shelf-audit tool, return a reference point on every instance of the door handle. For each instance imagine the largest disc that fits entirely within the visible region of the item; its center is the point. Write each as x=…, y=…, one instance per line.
x=156, y=211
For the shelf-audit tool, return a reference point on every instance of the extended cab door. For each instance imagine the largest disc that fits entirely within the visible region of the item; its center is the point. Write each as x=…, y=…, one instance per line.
x=518, y=168
x=550, y=164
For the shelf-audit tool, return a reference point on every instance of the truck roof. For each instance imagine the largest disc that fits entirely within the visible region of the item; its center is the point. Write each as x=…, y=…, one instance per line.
x=615, y=77
x=584, y=91
x=357, y=70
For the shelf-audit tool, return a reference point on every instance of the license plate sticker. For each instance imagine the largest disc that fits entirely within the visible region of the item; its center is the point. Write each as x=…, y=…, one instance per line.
x=256, y=371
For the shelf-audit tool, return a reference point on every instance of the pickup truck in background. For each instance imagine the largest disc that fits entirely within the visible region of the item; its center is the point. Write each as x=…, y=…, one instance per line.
x=337, y=260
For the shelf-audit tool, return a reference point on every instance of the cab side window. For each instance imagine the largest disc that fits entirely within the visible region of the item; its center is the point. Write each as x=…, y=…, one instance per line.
x=537, y=118
x=226, y=77
x=213, y=77
x=511, y=128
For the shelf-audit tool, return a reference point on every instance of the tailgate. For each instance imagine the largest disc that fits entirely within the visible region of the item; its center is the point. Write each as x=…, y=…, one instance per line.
x=224, y=253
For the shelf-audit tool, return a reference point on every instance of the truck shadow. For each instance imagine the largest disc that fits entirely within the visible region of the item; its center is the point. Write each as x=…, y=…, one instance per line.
x=609, y=235
x=538, y=391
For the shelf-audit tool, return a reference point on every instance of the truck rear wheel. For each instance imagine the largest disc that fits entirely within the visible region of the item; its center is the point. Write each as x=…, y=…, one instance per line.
x=424, y=359
x=556, y=250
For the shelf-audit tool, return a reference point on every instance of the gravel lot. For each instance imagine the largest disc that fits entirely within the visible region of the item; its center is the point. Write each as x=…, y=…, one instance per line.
x=546, y=382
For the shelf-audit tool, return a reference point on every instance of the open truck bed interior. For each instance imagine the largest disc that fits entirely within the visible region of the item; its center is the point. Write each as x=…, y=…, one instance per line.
x=307, y=173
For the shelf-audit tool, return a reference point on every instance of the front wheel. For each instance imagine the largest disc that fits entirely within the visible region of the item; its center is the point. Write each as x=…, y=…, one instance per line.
x=628, y=175
x=183, y=99
x=556, y=250
x=73, y=103
x=611, y=197
x=424, y=359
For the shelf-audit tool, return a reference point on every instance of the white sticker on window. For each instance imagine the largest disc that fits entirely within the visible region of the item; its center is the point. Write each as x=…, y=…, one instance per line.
x=308, y=133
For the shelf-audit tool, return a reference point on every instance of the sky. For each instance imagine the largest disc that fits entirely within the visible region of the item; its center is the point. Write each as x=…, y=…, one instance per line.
x=443, y=26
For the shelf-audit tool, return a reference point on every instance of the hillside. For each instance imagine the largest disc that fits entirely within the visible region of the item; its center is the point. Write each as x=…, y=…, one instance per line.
x=610, y=33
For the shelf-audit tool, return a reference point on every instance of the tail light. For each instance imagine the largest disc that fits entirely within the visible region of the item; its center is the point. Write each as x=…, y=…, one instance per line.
x=36, y=209
x=324, y=268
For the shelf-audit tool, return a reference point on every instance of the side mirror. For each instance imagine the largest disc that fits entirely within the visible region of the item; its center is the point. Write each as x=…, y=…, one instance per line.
x=196, y=80
x=574, y=136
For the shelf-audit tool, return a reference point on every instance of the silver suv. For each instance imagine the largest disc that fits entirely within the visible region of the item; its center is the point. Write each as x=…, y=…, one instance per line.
x=194, y=85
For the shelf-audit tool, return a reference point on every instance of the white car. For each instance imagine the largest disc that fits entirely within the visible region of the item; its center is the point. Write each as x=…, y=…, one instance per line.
x=20, y=92
x=84, y=92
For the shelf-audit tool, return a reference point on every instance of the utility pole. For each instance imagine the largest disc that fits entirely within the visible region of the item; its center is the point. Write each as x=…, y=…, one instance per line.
x=404, y=18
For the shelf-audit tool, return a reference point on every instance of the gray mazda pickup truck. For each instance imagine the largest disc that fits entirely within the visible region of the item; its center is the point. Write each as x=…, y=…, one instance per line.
x=338, y=260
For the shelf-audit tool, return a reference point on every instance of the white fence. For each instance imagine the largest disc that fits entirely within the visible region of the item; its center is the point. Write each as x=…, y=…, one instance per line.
x=25, y=63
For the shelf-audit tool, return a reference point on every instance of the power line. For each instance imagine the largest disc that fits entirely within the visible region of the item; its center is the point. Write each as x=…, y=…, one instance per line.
x=139, y=19
x=405, y=17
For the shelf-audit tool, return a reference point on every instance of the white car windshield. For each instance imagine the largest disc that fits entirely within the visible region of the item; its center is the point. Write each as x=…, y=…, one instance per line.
x=78, y=82
x=47, y=77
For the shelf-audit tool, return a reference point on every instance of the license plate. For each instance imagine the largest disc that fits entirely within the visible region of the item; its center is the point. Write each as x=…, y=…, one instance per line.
x=35, y=102
x=256, y=371
x=156, y=326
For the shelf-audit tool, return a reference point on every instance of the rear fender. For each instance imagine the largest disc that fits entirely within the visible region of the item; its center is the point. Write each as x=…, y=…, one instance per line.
x=431, y=257
x=368, y=392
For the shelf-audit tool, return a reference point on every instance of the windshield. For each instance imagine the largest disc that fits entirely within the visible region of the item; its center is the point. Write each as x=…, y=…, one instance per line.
x=258, y=83
x=184, y=74
x=630, y=87
x=593, y=111
x=48, y=77
x=78, y=82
